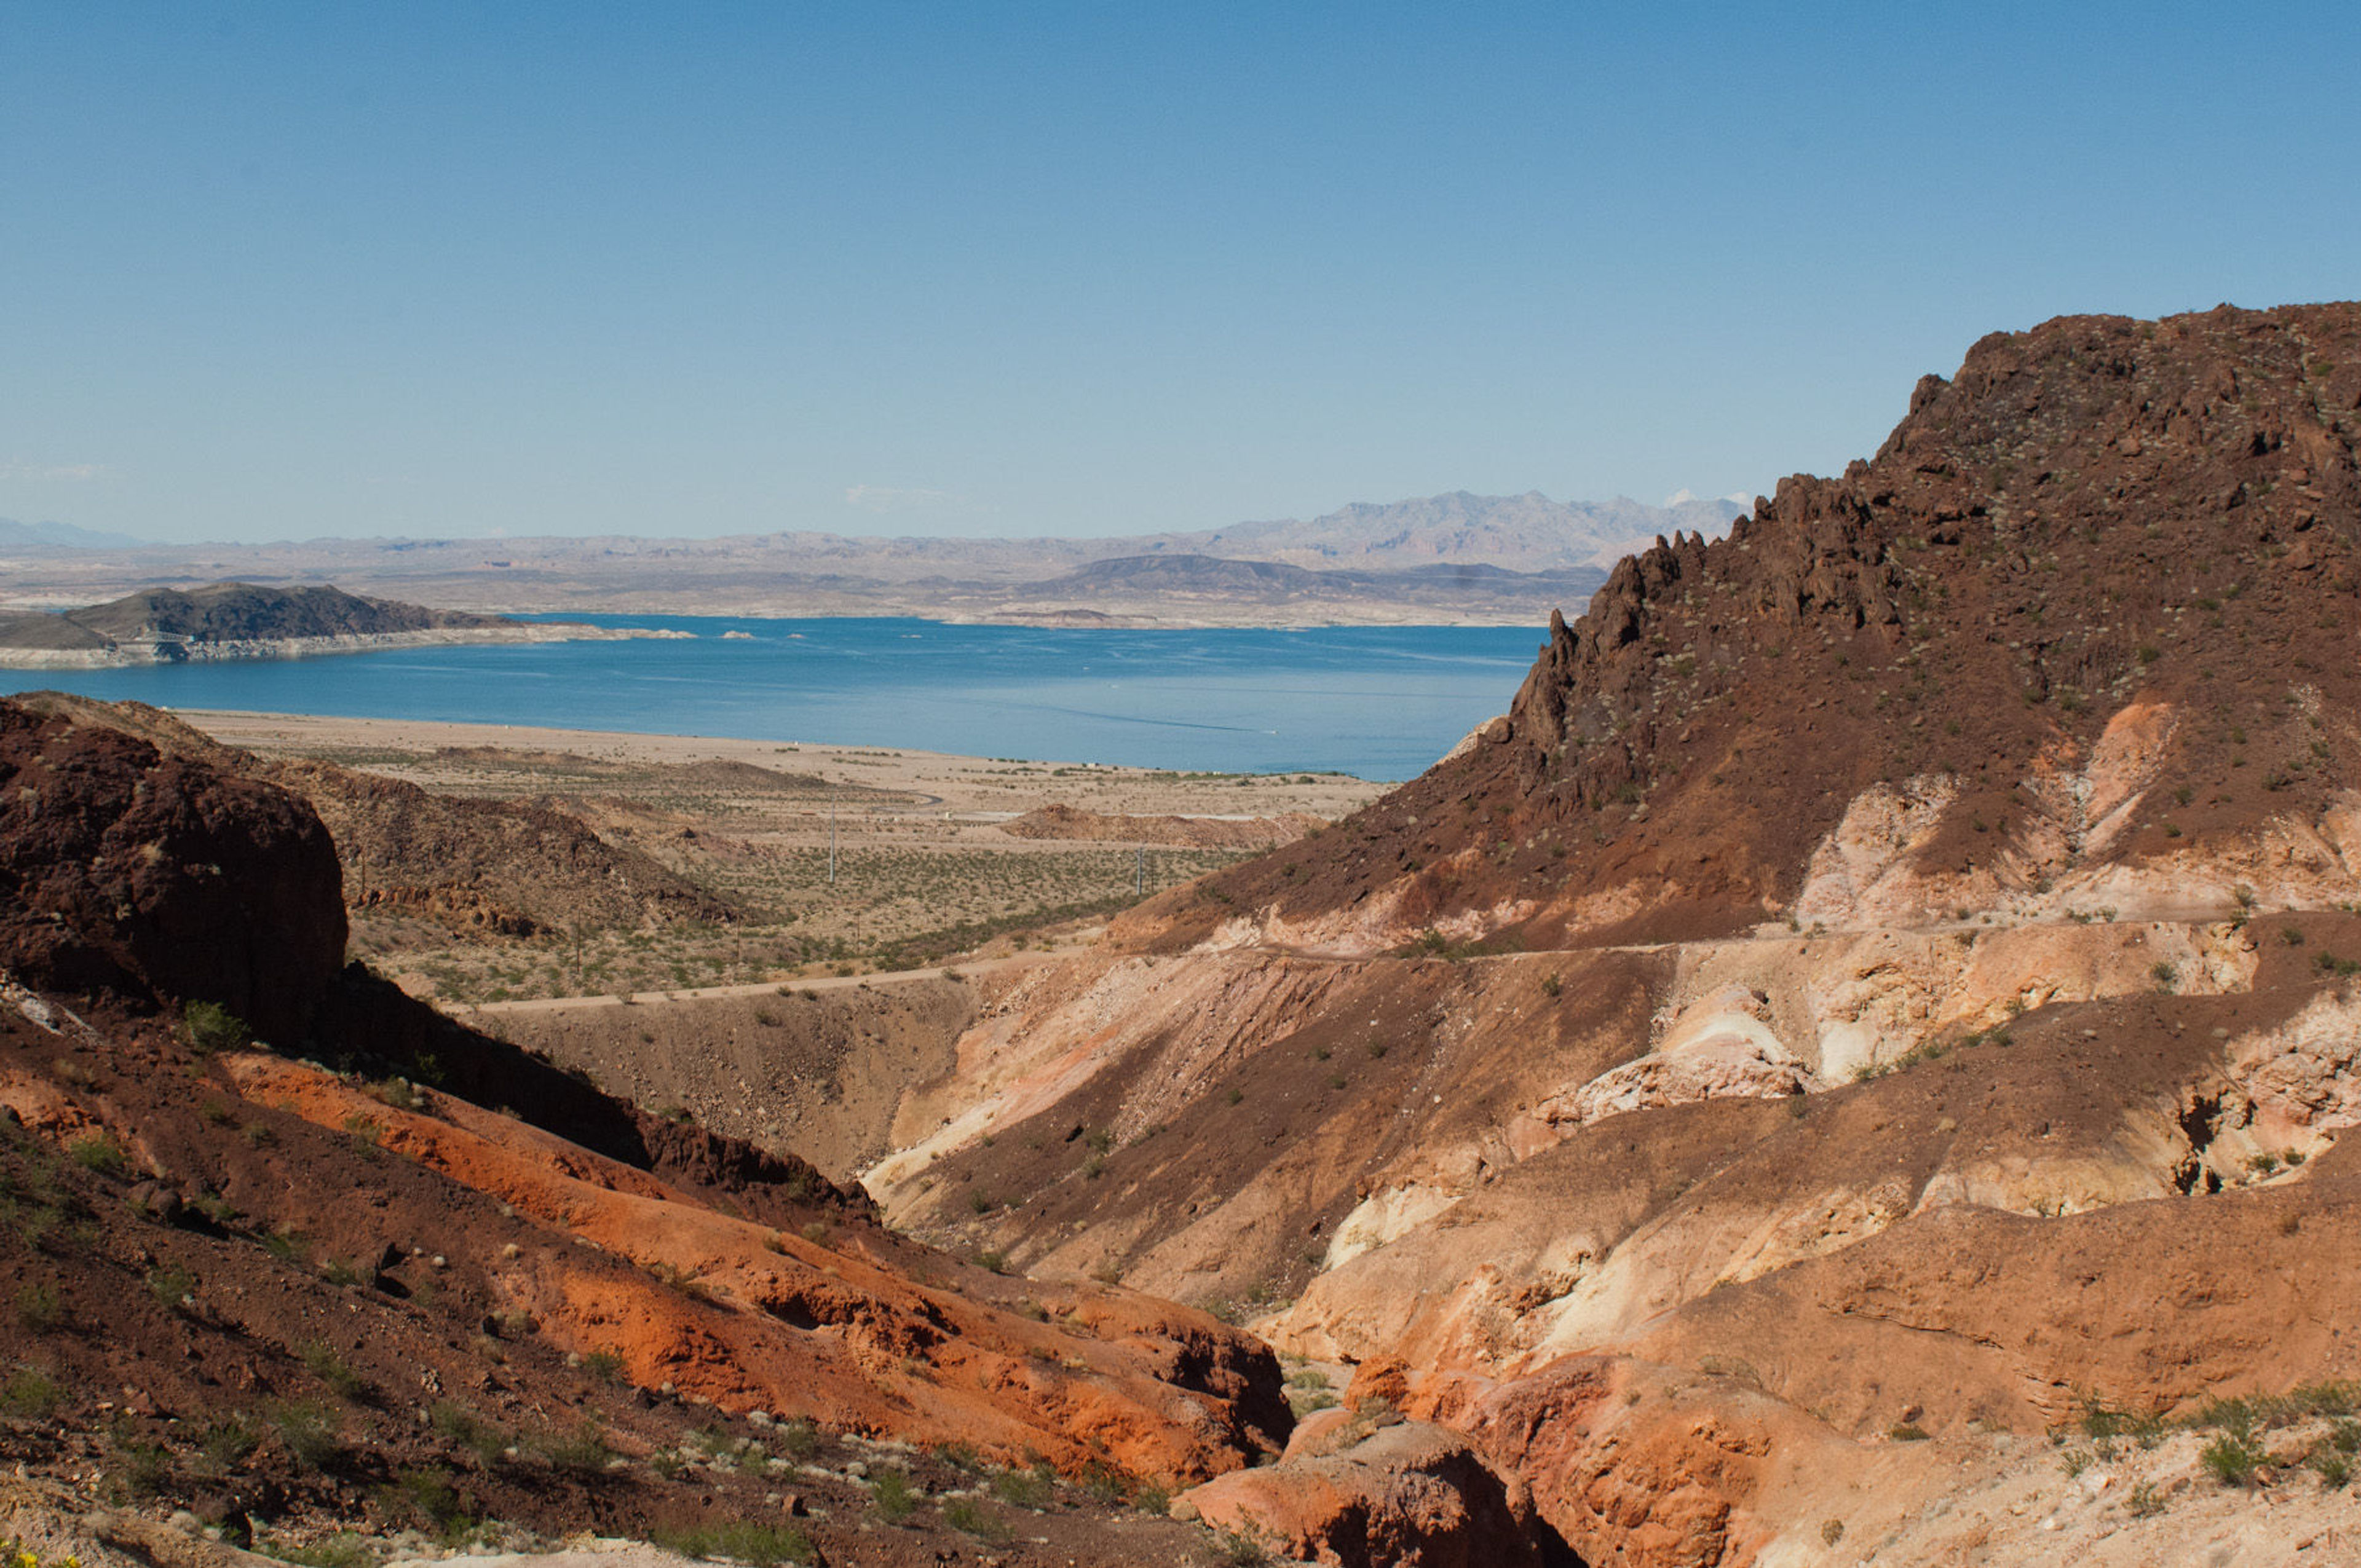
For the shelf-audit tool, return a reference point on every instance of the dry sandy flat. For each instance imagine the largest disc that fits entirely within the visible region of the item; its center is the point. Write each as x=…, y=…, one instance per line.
x=953, y=784
x=837, y=859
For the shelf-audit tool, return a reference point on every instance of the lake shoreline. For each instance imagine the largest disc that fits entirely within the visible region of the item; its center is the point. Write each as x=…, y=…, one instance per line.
x=175, y=651
x=1374, y=702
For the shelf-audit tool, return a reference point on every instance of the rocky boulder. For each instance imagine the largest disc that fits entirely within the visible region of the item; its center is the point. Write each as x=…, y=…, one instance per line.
x=1372, y=1489
x=160, y=877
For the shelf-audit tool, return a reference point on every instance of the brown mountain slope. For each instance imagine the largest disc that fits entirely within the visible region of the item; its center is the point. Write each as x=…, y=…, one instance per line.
x=1889, y=971
x=2105, y=543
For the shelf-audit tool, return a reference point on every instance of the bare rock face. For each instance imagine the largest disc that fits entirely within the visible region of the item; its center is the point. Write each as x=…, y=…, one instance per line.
x=157, y=876
x=1358, y=1495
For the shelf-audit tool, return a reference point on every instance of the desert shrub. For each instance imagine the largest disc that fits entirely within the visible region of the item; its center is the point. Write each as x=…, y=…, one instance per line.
x=798, y=1438
x=470, y=1431
x=1236, y=1549
x=308, y=1430
x=963, y=1514
x=1031, y=1488
x=322, y=1361
x=40, y=1307
x=430, y=1494
x=891, y=1495
x=760, y=1545
x=209, y=1027
x=345, y=1549
x=582, y=1451
x=139, y=1468
x=606, y=1365
x=30, y=1394
x=227, y=1443
x=171, y=1285
x=2103, y=1422
x=2233, y=1457
x=98, y=1152
x=398, y=1093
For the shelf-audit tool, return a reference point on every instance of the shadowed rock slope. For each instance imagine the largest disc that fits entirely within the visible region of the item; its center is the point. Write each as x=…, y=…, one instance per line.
x=1889, y=970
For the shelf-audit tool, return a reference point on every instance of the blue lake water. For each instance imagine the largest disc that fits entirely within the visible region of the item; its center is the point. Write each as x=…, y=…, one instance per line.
x=1381, y=702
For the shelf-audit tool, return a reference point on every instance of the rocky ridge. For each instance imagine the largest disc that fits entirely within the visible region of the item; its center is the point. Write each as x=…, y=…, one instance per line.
x=1888, y=969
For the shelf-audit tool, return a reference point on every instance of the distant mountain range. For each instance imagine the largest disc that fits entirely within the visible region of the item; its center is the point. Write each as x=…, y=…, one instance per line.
x=1526, y=533
x=15, y=535
x=1451, y=558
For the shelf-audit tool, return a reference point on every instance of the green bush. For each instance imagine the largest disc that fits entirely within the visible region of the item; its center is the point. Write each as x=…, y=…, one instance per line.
x=227, y=1443
x=331, y=1369
x=963, y=1514
x=343, y=1549
x=762, y=1545
x=30, y=1394
x=1031, y=1488
x=471, y=1433
x=100, y=1153
x=2233, y=1457
x=212, y=1027
x=582, y=1451
x=308, y=1430
x=171, y=1285
x=890, y=1495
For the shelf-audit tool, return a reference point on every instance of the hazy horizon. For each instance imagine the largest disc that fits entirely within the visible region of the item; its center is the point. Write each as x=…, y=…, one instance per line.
x=1736, y=501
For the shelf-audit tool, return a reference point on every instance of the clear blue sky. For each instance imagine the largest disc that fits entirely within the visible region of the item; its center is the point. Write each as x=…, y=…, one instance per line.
x=278, y=270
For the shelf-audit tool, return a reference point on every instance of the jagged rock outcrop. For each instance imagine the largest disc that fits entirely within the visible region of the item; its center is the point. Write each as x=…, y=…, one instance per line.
x=2098, y=514
x=127, y=870
x=1355, y=1493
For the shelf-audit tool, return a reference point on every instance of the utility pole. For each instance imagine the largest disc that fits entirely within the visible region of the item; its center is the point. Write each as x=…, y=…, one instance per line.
x=1139, y=878
x=832, y=837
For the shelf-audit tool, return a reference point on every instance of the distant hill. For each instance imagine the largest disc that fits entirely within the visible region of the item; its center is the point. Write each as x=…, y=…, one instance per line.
x=244, y=621
x=15, y=535
x=222, y=611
